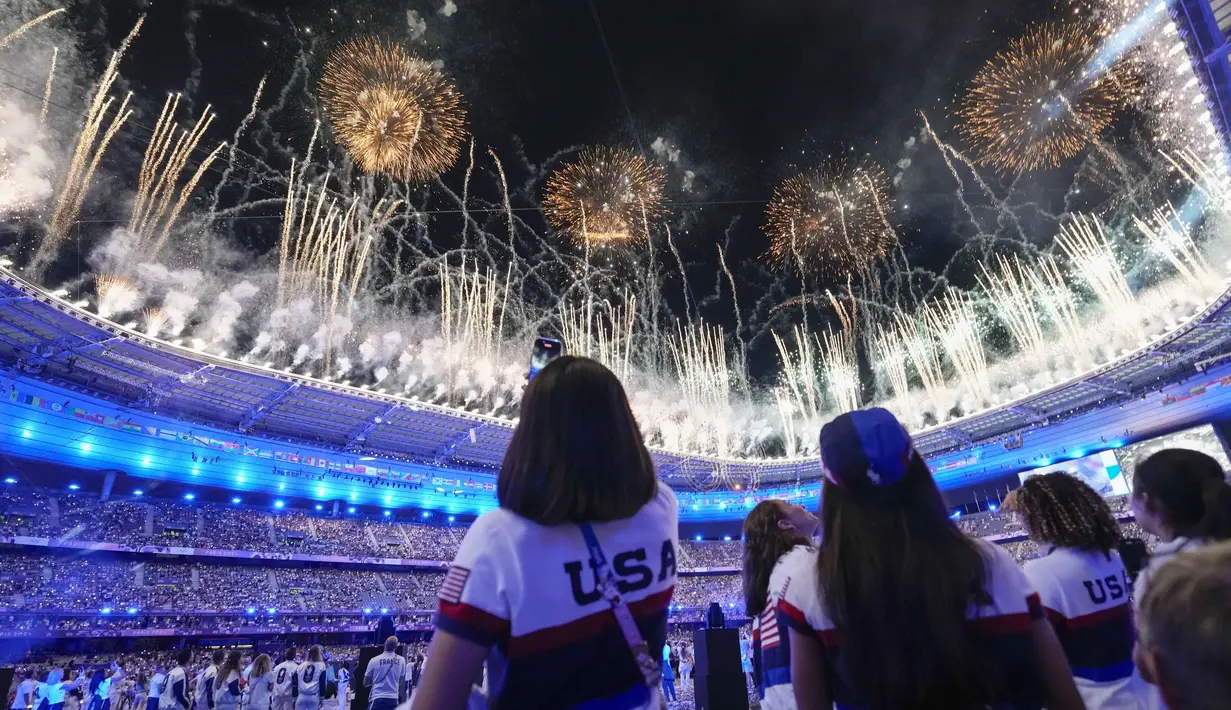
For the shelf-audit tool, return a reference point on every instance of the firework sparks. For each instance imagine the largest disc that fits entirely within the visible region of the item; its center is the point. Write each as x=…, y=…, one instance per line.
x=606, y=336
x=607, y=196
x=86, y=156
x=830, y=220
x=1092, y=258
x=160, y=170
x=51, y=75
x=840, y=368
x=1014, y=299
x=26, y=27
x=954, y=321
x=392, y=111
x=1170, y=236
x=116, y=294
x=1042, y=100
x=155, y=320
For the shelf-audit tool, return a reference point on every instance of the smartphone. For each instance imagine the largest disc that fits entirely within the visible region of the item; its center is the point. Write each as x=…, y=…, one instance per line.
x=545, y=350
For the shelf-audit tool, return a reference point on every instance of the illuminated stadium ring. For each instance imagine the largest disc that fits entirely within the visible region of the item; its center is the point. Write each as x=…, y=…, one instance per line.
x=1108, y=407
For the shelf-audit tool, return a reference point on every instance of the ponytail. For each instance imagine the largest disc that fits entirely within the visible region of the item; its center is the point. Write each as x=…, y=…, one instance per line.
x=1189, y=492
x=1216, y=522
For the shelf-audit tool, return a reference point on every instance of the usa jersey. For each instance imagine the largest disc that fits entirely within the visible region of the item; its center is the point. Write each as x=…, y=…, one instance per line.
x=284, y=677
x=771, y=645
x=1002, y=628
x=529, y=593
x=309, y=677
x=1086, y=596
x=166, y=691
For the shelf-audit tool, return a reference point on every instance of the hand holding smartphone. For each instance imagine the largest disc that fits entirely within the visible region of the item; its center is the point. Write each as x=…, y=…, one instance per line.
x=545, y=350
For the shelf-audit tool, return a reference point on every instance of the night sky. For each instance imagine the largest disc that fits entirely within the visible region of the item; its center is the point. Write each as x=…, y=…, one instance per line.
x=748, y=92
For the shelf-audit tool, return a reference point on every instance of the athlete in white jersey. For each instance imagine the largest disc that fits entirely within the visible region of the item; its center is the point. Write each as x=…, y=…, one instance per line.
x=383, y=677
x=24, y=699
x=284, y=682
x=772, y=529
x=260, y=684
x=204, y=691
x=309, y=680
x=173, y=692
x=1082, y=585
x=155, y=689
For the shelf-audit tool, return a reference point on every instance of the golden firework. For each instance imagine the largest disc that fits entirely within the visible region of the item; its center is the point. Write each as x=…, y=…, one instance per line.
x=392, y=111
x=1044, y=99
x=606, y=196
x=831, y=220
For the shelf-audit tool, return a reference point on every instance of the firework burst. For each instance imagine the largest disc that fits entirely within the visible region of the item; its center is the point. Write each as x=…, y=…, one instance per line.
x=394, y=113
x=606, y=196
x=831, y=220
x=1044, y=99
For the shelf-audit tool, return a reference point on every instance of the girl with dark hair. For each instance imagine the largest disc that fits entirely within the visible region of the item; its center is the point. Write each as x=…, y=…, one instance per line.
x=1181, y=496
x=584, y=531
x=1083, y=585
x=897, y=609
x=772, y=530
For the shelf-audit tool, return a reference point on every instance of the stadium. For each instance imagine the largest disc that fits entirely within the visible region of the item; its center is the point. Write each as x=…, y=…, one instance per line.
x=178, y=478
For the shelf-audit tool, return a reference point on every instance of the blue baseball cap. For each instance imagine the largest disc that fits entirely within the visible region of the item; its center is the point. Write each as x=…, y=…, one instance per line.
x=870, y=443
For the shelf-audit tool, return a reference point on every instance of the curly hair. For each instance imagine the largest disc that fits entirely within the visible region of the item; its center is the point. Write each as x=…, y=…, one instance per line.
x=1062, y=510
x=764, y=542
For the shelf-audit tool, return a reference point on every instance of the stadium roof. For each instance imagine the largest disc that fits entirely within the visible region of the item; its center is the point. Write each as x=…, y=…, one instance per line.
x=43, y=335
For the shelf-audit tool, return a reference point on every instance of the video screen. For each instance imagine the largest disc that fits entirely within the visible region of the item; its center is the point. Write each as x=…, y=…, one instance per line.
x=1100, y=471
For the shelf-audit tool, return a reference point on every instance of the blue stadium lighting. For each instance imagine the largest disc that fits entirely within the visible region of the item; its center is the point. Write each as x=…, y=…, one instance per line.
x=251, y=610
x=388, y=500
x=993, y=507
x=190, y=496
x=698, y=538
x=145, y=461
x=235, y=500
x=272, y=610
x=240, y=479
x=452, y=518
x=367, y=611
x=282, y=486
x=10, y=480
x=279, y=504
x=956, y=514
x=354, y=496
x=132, y=610
x=196, y=471
x=387, y=513
x=695, y=506
x=74, y=487
x=319, y=506
x=427, y=514
x=367, y=458
x=138, y=492
x=25, y=433
x=383, y=610
x=320, y=491
x=351, y=509
x=85, y=447
x=726, y=538
x=440, y=490
x=105, y=610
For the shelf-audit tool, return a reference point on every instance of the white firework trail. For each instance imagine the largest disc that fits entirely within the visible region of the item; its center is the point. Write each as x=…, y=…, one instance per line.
x=1092, y=259
x=955, y=323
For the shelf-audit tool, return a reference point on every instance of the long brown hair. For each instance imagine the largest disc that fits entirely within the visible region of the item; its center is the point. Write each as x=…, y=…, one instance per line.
x=898, y=577
x=231, y=664
x=576, y=455
x=1189, y=491
x=261, y=665
x=765, y=541
x=1062, y=510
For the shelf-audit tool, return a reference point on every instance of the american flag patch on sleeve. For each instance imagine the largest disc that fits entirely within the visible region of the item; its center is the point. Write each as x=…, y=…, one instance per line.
x=455, y=582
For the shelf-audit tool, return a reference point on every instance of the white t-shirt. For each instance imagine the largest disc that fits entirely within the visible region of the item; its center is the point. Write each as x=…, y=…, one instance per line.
x=773, y=644
x=1086, y=596
x=1003, y=627
x=259, y=691
x=26, y=687
x=204, y=684
x=384, y=675
x=528, y=592
x=223, y=695
x=284, y=674
x=309, y=678
x=166, y=690
x=156, y=685
x=1162, y=554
